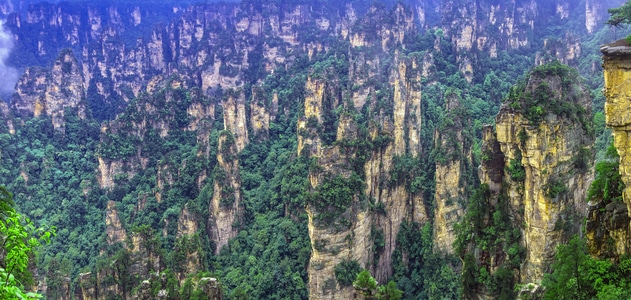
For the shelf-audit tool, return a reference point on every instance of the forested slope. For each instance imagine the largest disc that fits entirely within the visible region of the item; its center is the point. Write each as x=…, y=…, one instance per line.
x=281, y=147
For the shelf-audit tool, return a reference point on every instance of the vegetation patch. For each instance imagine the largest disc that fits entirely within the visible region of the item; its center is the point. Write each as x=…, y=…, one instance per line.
x=346, y=271
x=607, y=185
x=333, y=197
x=488, y=228
x=535, y=102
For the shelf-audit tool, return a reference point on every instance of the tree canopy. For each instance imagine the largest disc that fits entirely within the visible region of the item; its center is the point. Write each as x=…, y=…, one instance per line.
x=19, y=240
x=619, y=16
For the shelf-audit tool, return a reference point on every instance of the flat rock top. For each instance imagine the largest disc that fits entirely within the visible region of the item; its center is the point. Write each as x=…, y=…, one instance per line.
x=619, y=47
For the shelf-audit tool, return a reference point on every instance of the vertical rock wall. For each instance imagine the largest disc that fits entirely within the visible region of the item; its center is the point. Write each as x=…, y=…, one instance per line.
x=542, y=158
x=51, y=92
x=617, y=73
x=225, y=206
x=346, y=237
x=453, y=165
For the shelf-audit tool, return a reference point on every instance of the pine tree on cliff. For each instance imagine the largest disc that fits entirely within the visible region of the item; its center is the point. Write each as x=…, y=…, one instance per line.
x=619, y=16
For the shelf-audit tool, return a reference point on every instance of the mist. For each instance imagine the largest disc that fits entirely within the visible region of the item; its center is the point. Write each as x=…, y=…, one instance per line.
x=8, y=74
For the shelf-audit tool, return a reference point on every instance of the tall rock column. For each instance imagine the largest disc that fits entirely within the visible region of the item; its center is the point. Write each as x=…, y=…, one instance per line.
x=339, y=218
x=397, y=199
x=536, y=174
x=544, y=136
x=51, y=91
x=617, y=72
x=225, y=206
x=453, y=164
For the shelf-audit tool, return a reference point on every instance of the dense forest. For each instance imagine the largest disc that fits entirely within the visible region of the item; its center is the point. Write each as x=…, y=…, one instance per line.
x=310, y=150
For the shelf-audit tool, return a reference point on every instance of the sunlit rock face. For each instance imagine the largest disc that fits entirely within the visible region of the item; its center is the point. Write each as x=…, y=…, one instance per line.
x=609, y=228
x=553, y=151
x=452, y=169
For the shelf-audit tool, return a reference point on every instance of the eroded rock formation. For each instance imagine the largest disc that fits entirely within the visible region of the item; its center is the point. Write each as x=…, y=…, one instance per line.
x=610, y=232
x=539, y=159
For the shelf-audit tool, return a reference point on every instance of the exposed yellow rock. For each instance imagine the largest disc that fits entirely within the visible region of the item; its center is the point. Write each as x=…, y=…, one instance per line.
x=450, y=196
x=314, y=97
x=113, y=226
x=406, y=80
x=330, y=245
x=107, y=171
x=548, y=149
x=617, y=73
x=234, y=117
x=187, y=227
x=351, y=244
x=199, y=114
x=187, y=223
x=259, y=114
x=225, y=205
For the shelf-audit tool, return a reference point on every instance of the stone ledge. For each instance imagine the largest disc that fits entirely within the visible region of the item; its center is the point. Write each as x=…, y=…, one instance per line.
x=617, y=48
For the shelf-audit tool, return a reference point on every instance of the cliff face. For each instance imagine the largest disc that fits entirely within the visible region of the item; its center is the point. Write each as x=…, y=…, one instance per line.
x=610, y=236
x=453, y=174
x=333, y=239
x=361, y=122
x=368, y=158
x=114, y=228
x=51, y=92
x=117, y=64
x=225, y=207
x=128, y=142
x=596, y=13
x=539, y=160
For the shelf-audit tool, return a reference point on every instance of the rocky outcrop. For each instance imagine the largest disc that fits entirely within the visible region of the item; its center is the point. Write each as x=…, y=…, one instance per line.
x=332, y=238
x=51, y=92
x=490, y=27
x=607, y=229
x=539, y=158
x=399, y=200
x=363, y=130
x=234, y=118
x=596, y=13
x=566, y=50
x=114, y=228
x=187, y=227
x=167, y=110
x=366, y=160
x=613, y=238
x=225, y=209
x=192, y=46
x=260, y=114
x=453, y=168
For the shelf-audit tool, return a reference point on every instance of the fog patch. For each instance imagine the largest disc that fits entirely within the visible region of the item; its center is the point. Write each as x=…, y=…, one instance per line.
x=8, y=74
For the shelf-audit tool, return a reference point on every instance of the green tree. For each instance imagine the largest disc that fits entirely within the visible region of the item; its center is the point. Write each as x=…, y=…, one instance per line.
x=389, y=291
x=568, y=279
x=365, y=283
x=19, y=239
x=607, y=185
x=345, y=271
x=619, y=16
